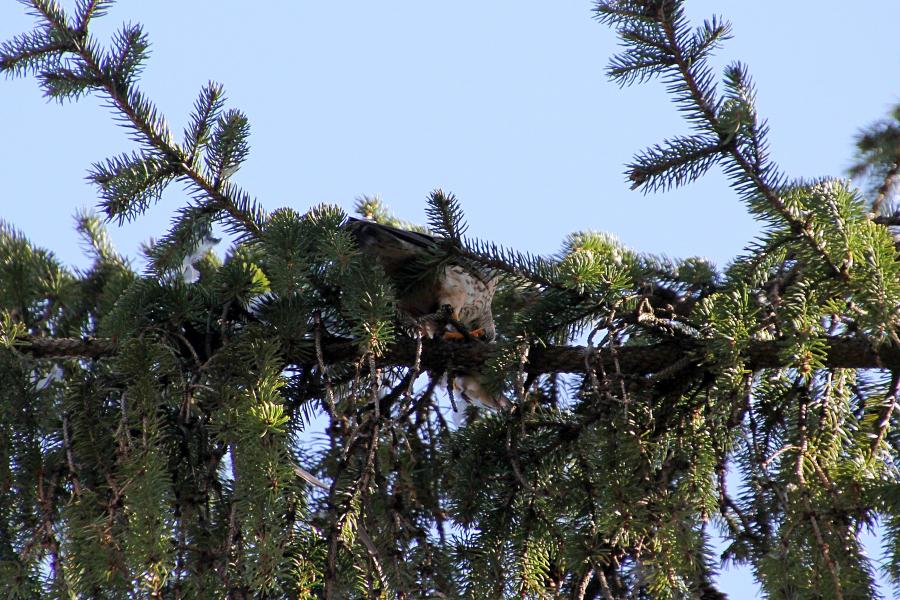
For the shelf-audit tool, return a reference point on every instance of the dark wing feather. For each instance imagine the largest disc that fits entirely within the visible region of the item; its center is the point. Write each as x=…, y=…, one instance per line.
x=368, y=231
x=400, y=252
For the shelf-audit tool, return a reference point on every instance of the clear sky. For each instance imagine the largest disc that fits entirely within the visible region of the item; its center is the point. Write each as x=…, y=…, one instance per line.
x=502, y=102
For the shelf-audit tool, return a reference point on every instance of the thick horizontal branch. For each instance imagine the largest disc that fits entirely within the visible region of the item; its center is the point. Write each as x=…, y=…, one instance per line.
x=637, y=360
x=842, y=353
x=67, y=347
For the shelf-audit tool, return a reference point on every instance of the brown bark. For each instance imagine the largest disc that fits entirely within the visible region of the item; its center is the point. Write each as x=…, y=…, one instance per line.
x=855, y=353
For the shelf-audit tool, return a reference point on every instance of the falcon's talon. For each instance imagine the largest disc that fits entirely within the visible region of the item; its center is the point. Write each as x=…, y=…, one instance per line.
x=453, y=335
x=477, y=332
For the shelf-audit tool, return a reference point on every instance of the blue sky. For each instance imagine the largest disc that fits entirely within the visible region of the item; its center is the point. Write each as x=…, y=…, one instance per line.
x=503, y=103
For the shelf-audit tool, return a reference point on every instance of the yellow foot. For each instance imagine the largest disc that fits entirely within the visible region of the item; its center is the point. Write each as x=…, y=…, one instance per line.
x=477, y=332
x=453, y=335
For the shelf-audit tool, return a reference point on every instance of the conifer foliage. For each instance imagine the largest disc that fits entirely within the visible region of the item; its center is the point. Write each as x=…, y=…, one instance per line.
x=152, y=424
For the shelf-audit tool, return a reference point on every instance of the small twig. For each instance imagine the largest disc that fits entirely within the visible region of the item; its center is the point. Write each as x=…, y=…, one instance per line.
x=417, y=363
x=726, y=503
x=371, y=549
x=826, y=554
x=887, y=183
x=673, y=369
x=523, y=348
x=801, y=481
x=581, y=590
x=514, y=460
x=604, y=585
x=424, y=399
x=233, y=526
x=375, y=386
x=451, y=385
x=765, y=464
x=309, y=477
x=70, y=459
x=884, y=416
x=320, y=358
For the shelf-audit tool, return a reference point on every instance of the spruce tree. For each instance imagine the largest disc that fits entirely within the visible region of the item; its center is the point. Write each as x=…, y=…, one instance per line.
x=151, y=423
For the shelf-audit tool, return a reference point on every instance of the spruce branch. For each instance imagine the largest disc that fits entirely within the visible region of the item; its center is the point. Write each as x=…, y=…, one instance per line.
x=129, y=184
x=85, y=10
x=67, y=347
x=887, y=183
x=96, y=239
x=30, y=52
x=660, y=29
x=114, y=76
x=883, y=422
x=839, y=353
x=522, y=265
x=190, y=227
x=228, y=146
x=206, y=111
x=878, y=157
x=760, y=176
x=445, y=216
x=674, y=163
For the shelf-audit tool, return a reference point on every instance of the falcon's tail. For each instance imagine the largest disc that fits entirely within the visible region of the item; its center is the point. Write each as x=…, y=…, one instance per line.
x=473, y=391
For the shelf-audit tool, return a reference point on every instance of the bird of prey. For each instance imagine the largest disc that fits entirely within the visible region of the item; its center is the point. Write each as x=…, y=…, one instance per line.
x=466, y=291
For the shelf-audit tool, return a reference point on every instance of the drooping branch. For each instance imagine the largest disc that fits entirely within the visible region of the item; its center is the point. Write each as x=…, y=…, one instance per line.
x=841, y=353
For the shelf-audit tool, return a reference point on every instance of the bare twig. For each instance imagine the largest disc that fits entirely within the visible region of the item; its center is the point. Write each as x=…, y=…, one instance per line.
x=70, y=457
x=374, y=555
x=884, y=416
x=887, y=183
x=802, y=444
x=320, y=358
x=309, y=477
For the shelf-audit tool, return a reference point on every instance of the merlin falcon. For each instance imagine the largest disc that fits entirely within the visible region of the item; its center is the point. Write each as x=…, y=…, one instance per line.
x=467, y=291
